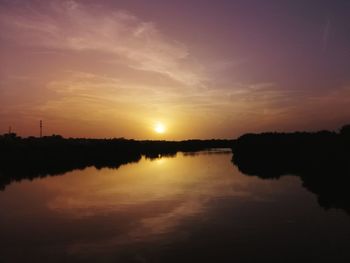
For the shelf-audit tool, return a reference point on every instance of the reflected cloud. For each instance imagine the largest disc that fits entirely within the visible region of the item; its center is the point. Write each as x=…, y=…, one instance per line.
x=109, y=212
x=164, y=194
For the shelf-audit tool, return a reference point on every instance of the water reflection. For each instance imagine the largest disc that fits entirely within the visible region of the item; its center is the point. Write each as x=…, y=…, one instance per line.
x=328, y=179
x=19, y=171
x=170, y=209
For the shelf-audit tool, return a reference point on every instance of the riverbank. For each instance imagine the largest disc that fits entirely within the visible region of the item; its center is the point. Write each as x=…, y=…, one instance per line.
x=320, y=159
x=27, y=158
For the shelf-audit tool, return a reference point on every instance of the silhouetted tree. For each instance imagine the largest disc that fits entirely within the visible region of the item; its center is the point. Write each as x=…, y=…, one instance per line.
x=51, y=155
x=321, y=159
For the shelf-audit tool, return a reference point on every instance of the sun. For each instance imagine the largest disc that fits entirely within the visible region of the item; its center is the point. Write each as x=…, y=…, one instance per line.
x=159, y=128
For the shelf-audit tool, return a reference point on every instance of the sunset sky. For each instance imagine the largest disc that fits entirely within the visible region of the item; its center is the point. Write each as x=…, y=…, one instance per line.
x=187, y=68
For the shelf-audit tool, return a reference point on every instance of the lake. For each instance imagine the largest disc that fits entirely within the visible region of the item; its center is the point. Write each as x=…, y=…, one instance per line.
x=194, y=207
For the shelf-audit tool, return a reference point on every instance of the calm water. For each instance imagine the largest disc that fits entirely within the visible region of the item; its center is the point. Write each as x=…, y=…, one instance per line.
x=188, y=208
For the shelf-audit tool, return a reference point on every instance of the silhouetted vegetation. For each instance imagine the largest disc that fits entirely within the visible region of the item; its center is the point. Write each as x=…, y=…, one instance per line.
x=321, y=159
x=52, y=155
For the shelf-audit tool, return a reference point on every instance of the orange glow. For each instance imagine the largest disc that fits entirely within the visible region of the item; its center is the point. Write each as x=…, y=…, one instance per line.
x=159, y=128
x=90, y=71
x=156, y=198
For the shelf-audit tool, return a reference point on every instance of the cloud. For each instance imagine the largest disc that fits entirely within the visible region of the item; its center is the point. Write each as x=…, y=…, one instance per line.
x=69, y=25
x=80, y=61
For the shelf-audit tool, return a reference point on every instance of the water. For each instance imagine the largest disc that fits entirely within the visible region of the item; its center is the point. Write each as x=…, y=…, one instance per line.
x=187, y=208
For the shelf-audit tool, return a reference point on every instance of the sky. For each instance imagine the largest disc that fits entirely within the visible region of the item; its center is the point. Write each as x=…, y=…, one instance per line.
x=193, y=69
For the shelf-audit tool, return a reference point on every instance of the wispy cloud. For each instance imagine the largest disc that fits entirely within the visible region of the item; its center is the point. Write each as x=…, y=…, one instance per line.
x=70, y=25
x=81, y=62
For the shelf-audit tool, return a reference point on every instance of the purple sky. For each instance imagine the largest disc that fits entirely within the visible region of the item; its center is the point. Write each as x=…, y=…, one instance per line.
x=202, y=69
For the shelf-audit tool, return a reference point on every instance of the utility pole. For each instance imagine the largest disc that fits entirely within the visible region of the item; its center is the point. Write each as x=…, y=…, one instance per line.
x=41, y=128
